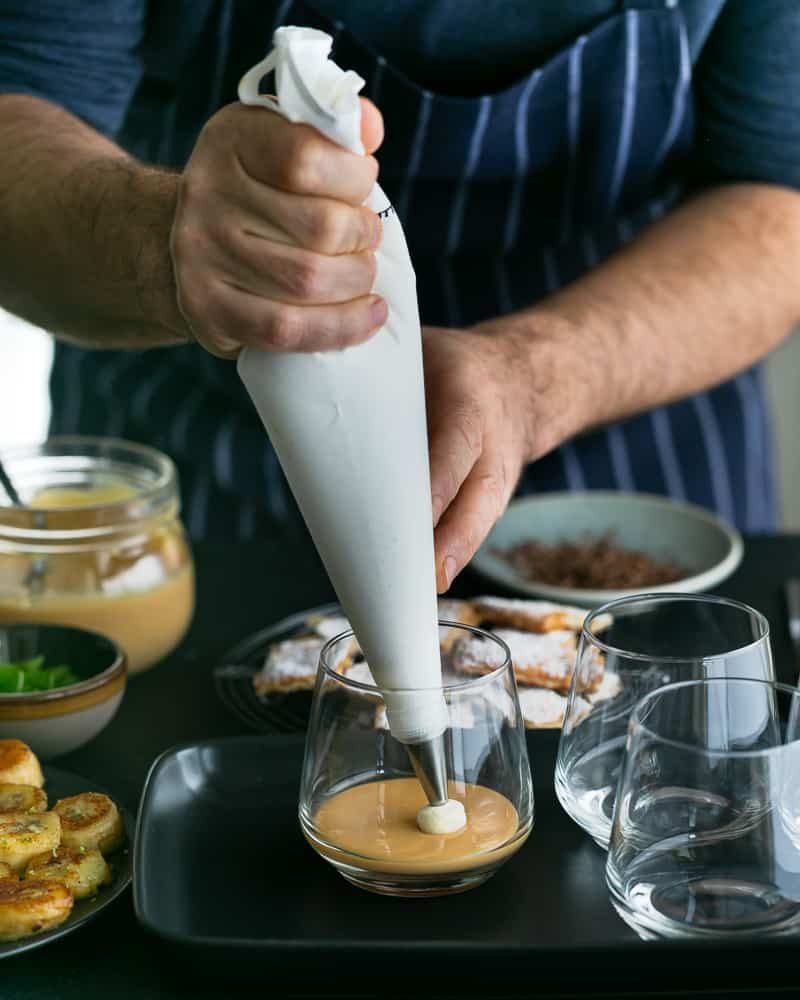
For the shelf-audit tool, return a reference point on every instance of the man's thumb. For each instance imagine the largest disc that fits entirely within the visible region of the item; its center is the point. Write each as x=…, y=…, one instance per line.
x=371, y=126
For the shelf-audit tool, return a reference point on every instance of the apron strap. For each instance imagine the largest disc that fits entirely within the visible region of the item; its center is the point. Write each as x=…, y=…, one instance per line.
x=647, y=4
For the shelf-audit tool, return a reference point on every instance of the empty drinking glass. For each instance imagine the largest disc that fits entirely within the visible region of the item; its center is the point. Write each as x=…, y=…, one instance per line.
x=706, y=834
x=627, y=649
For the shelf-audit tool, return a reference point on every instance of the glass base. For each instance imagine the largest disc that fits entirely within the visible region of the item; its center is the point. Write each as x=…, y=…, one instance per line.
x=591, y=811
x=706, y=908
x=444, y=886
x=415, y=883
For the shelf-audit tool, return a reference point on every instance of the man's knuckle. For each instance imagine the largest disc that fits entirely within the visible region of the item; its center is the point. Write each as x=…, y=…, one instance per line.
x=302, y=169
x=282, y=328
x=222, y=120
x=304, y=278
x=368, y=227
x=212, y=135
x=364, y=176
x=324, y=228
x=369, y=263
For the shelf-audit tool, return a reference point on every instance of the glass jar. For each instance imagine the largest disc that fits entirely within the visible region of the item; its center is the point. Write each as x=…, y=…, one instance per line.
x=98, y=543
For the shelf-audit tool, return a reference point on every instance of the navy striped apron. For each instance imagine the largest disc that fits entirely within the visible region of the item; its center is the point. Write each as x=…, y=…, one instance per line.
x=504, y=198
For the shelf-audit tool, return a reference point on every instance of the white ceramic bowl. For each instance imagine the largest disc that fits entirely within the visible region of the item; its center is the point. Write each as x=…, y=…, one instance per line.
x=58, y=721
x=665, y=529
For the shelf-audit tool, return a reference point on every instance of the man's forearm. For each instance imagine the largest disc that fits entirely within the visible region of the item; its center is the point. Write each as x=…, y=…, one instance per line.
x=85, y=232
x=697, y=297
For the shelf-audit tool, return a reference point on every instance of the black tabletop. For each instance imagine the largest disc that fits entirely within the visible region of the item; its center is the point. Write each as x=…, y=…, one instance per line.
x=241, y=588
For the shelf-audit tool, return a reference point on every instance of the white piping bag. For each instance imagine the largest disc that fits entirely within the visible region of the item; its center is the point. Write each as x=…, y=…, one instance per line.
x=350, y=432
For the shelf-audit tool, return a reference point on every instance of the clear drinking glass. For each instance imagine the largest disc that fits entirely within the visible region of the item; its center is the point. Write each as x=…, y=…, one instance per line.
x=627, y=649
x=706, y=835
x=350, y=749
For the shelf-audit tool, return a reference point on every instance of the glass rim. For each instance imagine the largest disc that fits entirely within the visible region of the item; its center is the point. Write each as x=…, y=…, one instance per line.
x=666, y=598
x=636, y=721
x=470, y=683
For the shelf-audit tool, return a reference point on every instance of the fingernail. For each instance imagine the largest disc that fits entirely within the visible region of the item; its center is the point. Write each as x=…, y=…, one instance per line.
x=449, y=568
x=378, y=312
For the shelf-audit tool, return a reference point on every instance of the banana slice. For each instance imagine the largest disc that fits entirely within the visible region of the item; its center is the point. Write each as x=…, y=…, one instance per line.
x=18, y=764
x=22, y=798
x=90, y=820
x=7, y=872
x=30, y=907
x=24, y=835
x=82, y=872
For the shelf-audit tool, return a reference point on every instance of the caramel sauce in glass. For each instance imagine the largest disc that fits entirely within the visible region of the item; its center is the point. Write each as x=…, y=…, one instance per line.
x=374, y=825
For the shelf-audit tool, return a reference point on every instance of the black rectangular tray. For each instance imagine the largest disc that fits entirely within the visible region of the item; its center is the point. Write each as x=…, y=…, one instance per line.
x=222, y=873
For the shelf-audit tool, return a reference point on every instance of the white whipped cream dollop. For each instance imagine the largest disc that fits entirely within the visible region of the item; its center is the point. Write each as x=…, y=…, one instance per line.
x=448, y=817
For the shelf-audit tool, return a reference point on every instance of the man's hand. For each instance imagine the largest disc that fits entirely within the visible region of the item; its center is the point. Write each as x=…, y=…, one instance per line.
x=481, y=426
x=698, y=296
x=271, y=244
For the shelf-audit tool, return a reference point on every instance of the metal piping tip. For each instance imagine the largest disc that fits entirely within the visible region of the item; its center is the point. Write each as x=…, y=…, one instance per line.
x=428, y=761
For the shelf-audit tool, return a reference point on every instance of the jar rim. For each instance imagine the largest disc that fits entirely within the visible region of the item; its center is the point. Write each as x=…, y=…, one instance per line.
x=28, y=523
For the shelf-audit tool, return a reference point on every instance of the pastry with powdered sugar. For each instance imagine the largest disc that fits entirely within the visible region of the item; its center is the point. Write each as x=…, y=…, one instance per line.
x=540, y=659
x=543, y=708
x=534, y=616
x=292, y=666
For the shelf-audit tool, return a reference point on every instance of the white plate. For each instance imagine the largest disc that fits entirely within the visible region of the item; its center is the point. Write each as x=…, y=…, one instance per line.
x=665, y=529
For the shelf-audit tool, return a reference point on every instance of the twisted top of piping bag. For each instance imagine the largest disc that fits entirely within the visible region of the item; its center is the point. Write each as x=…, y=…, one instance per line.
x=311, y=88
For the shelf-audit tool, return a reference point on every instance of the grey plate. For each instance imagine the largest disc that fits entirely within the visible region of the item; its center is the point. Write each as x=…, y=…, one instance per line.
x=59, y=784
x=684, y=533
x=233, y=678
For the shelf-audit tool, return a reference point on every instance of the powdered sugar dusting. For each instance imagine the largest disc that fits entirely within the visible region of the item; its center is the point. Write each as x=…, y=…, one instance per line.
x=293, y=658
x=536, y=612
x=329, y=626
x=476, y=652
x=550, y=652
x=541, y=706
x=452, y=610
x=290, y=665
x=537, y=616
x=610, y=687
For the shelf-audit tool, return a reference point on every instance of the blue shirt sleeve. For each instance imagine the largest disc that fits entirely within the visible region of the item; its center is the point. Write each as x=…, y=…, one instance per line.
x=747, y=89
x=80, y=54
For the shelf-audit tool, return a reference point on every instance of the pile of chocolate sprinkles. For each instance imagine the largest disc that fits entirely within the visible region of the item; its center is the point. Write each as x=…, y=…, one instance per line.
x=590, y=564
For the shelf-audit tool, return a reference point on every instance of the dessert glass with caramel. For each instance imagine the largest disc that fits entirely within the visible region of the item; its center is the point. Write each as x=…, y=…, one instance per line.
x=359, y=796
x=98, y=543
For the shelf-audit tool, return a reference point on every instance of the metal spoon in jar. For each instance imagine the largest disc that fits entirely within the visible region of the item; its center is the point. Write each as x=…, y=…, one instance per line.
x=34, y=579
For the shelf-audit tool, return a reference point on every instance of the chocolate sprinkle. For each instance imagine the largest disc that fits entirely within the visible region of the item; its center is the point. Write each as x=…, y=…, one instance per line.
x=590, y=564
